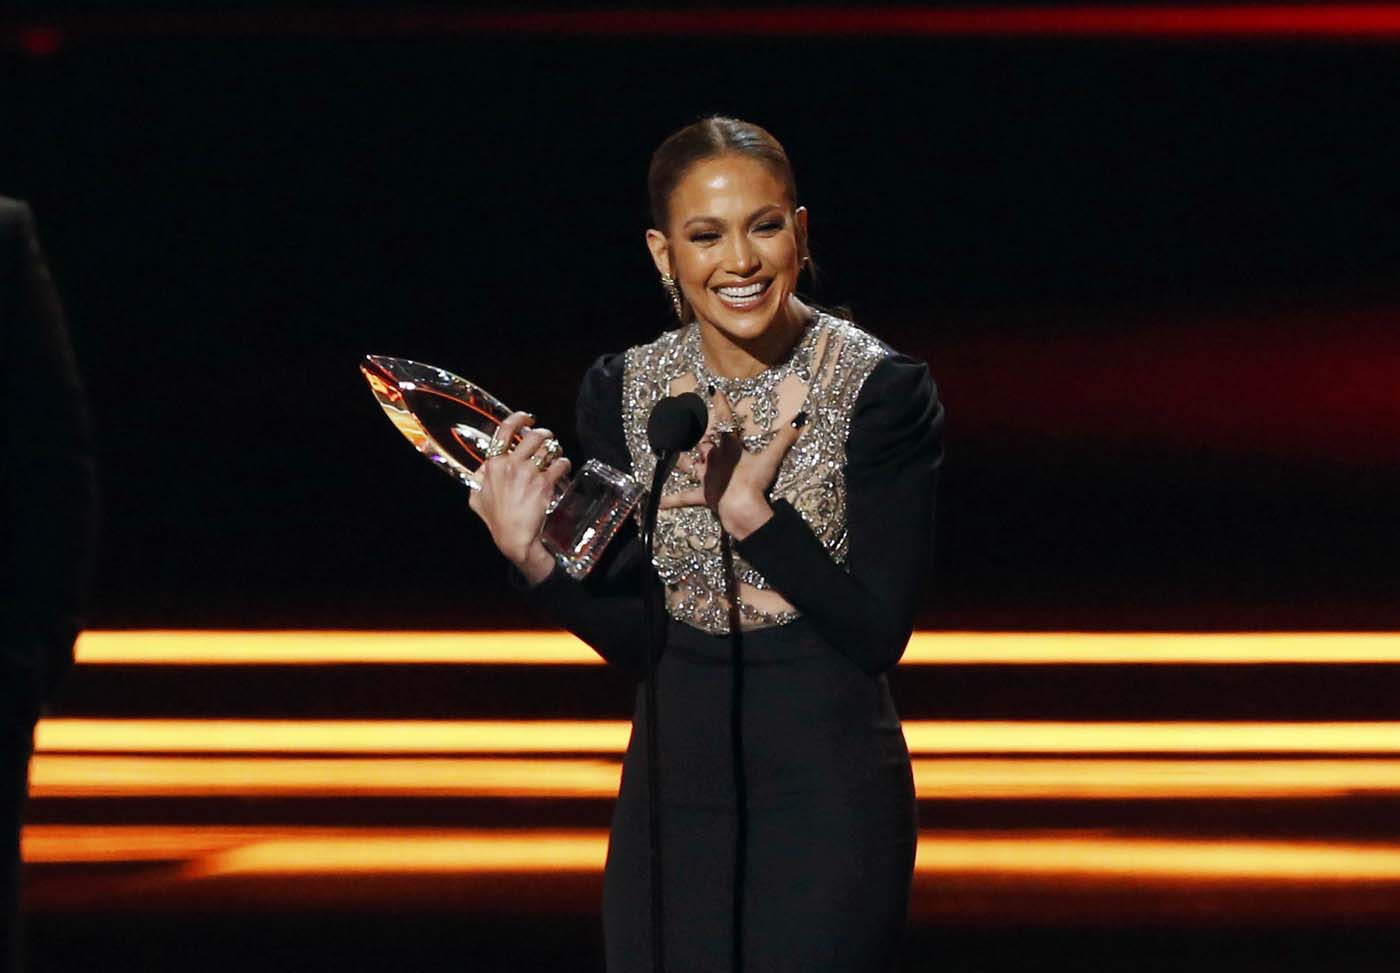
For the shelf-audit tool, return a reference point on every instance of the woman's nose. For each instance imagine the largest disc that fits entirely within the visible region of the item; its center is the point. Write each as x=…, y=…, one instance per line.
x=742, y=259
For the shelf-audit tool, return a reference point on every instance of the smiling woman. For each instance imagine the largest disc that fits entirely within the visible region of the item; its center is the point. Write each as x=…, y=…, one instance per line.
x=783, y=781
x=739, y=243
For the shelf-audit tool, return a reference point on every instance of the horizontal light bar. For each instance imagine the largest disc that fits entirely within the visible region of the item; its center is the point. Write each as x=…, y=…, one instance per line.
x=1294, y=21
x=937, y=854
x=53, y=844
x=1147, y=858
x=310, y=851
x=1064, y=780
x=331, y=736
x=195, y=648
x=59, y=776
x=63, y=776
x=610, y=736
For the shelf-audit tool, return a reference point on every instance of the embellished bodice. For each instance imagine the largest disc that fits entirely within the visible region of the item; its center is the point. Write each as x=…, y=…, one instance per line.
x=822, y=377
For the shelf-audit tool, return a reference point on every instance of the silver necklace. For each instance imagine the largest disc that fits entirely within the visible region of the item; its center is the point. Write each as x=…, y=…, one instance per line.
x=761, y=389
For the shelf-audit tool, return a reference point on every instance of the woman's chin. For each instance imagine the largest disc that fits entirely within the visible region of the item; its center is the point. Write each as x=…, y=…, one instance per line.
x=744, y=324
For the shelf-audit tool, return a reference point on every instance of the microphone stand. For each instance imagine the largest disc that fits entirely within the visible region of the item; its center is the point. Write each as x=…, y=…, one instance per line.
x=655, y=621
x=736, y=738
x=675, y=425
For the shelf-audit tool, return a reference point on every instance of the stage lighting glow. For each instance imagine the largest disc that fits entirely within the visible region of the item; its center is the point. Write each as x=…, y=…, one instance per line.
x=309, y=851
x=67, y=776
x=63, y=776
x=331, y=736
x=610, y=737
x=1113, y=779
x=1291, y=22
x=56, y=844
x=467, y=851
x=199, y=648
x=1156, y=858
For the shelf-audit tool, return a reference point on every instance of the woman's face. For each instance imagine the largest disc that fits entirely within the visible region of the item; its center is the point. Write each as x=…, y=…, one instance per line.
x=734, y=244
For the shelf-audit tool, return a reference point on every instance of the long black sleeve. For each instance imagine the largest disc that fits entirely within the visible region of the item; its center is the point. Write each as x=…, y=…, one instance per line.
x=893, y=453
x=49, y=483
x=605, y=610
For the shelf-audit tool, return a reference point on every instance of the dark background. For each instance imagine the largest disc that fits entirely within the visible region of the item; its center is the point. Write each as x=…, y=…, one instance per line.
x=1155, y=278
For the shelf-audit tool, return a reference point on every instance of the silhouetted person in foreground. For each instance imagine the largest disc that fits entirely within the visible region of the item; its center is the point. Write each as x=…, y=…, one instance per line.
x=47, y=523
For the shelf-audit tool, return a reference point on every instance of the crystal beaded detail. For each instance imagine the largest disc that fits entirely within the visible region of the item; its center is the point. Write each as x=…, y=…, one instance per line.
x=831, y=360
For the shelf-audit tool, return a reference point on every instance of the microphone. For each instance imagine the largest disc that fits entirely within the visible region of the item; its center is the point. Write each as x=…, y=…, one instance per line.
x=677, y=423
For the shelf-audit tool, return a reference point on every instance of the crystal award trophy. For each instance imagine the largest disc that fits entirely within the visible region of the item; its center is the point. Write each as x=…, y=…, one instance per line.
x=452, y=421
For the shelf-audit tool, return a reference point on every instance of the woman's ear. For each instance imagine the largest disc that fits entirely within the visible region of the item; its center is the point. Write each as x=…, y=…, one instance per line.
x=799, y=222
x=660, y=252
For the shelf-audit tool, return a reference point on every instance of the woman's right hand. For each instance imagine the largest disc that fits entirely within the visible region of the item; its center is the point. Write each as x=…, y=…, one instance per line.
x=514, y=495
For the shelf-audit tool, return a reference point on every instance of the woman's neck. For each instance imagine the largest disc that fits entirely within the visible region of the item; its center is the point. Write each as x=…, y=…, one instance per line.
x=729, y=357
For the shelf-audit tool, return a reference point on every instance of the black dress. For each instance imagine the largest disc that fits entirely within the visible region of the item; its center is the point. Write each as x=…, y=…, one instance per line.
x=829, y=814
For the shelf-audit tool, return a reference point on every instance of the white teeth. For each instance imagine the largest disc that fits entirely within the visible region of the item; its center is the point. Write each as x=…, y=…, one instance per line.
x=739, y=293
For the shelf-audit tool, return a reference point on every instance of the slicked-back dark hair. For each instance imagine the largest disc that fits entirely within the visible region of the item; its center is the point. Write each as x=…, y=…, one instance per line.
x=710, y=138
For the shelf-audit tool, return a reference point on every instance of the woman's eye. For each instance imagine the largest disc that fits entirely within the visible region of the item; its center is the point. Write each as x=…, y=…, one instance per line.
x=704, y=237
x=770, y=226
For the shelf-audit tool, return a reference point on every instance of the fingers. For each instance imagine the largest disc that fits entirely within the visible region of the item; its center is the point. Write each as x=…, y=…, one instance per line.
x=510, y=428
x=787, y=434
x=693, y=461
x=721, y=461
x=557, y=470
x=527, y=444
x=530, y=442
x=693, y=497
x=756, y=472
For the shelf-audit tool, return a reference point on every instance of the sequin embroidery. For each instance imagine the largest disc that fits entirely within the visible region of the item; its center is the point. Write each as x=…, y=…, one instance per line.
x=811, y=477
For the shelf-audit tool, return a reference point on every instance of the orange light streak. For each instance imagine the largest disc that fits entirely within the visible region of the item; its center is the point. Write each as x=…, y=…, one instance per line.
x=610, y=736
x=1109, y=779
x=465, y=851
x=64, y=776
x=171, y=647
x=303, y=851
x=52, y=844
x=1141, y=858
x=331, y=736
x=196, y=648
x=1185, y=737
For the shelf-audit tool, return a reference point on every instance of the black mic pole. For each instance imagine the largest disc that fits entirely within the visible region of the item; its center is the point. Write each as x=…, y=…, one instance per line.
x=736, y=739
x=655, y=645
x=674, y=426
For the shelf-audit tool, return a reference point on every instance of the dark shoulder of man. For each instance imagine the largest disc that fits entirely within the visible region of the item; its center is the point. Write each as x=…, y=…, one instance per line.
x=13, y=217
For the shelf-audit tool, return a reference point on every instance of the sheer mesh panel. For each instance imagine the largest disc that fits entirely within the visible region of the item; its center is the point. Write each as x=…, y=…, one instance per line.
x=822, y=377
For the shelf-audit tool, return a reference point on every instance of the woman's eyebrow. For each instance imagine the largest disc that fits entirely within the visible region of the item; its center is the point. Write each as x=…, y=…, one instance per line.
x=748, y=219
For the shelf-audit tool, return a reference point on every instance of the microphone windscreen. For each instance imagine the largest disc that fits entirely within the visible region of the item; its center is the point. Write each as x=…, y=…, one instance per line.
x=677, y=423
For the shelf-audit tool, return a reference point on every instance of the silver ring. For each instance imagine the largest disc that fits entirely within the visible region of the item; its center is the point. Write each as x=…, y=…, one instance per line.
x=547, y=454
x=493, y=449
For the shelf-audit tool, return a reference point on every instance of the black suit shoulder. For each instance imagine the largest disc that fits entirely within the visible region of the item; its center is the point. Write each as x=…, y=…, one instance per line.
x=13, y=212
x=16, y=225
x=49, y=485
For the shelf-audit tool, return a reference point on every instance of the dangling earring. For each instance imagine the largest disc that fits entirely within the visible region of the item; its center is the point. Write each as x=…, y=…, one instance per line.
x=674, y=292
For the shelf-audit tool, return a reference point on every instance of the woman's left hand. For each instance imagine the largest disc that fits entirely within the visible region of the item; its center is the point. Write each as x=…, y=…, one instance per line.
x=734, y=483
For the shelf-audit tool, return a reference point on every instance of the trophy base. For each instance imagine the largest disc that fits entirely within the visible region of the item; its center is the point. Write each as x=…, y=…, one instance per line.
x=586, y=516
